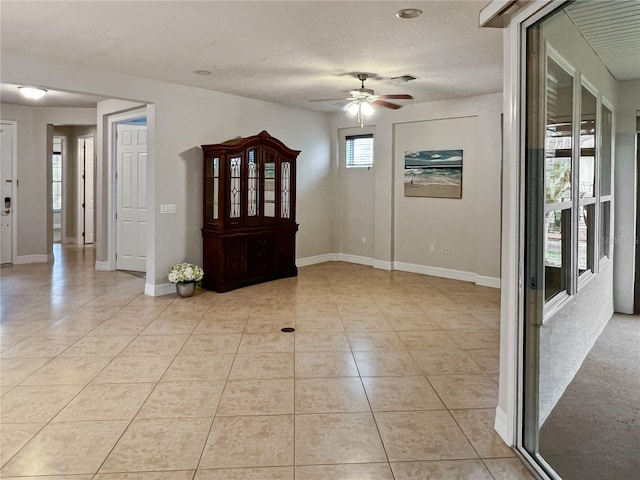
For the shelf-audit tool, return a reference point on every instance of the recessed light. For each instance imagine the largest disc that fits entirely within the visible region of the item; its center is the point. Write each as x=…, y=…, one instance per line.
x=408, y=13
x=202, y=72
x=32, y=93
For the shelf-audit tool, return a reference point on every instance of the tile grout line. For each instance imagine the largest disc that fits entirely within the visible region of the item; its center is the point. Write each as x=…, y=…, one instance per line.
x=215, y=413
x=50, y=421
x=375, y=420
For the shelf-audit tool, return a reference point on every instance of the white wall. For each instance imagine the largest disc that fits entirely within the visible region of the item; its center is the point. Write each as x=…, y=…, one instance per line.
x=405, y=227
x=34, y=219
x=625, y=195
x=183, y=119
x=356, y=194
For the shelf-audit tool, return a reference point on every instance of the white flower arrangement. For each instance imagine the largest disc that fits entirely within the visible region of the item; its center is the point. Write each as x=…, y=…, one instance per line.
x=185, y=273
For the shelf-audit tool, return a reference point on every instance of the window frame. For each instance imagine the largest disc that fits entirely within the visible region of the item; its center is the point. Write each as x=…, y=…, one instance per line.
x=54, y=152
x=574, y=278
x=605, y=199
x=554, y=303
x=585, y=202
x=349, y=140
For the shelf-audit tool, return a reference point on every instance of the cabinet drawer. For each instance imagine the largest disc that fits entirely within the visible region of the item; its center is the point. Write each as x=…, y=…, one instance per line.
x=261, y=256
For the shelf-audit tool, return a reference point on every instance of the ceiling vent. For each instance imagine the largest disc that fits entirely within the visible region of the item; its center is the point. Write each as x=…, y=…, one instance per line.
x=404, y=78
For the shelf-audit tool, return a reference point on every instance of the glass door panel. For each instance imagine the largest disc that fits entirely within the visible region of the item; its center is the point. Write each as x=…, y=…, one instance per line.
x=567, y=229
x=213, y=178
x=285, y=190
x=253, y=185
x=270, y=184
x=235, y=165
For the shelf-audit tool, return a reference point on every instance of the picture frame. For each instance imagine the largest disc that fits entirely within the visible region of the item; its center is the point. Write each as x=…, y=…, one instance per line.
x=433, y=173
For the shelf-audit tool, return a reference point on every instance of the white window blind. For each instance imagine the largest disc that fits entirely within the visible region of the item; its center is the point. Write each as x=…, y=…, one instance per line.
x=359, y=150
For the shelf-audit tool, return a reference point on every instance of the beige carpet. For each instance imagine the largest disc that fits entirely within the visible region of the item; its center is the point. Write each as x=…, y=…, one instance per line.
x=594, y=431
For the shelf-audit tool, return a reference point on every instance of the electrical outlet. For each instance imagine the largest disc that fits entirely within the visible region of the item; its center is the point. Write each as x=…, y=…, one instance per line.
x=432, y=248
x=364, y=240
x=447, y=250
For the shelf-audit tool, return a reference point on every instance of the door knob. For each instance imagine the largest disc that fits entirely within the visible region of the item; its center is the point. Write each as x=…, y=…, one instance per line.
x=7, y=212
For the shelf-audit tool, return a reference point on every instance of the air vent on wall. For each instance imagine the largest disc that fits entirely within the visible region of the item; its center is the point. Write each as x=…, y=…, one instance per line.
x=404, y=78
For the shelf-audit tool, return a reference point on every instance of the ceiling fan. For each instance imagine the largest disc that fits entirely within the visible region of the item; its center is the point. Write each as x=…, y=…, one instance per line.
x=362, y=98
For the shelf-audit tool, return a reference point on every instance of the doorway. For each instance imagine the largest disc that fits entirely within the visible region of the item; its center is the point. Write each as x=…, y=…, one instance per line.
x=8, y=167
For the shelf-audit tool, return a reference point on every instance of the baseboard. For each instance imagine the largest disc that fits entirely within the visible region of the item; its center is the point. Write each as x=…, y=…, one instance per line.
x=104, y=266
x=492, y=282
x=343, y=257
x=502, y=427
x=159, y=290
x=306, y=261
x=22, y=259
x=72, y=240
x=448, y=273
x=402, y=266
x=383, y=265
x=435, y=271
x=360, y=260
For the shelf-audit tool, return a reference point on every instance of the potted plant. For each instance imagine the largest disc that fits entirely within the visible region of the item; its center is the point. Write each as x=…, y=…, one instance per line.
x=185, y=276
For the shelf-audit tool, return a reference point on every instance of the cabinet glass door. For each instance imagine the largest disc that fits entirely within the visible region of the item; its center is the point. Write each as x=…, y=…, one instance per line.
x=270, y=184
x=213, y=182
x=234, y=187
x=253, y=184
x=285, y=190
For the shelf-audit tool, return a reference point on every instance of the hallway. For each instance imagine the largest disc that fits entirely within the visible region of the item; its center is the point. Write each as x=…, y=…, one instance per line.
x=389, y=375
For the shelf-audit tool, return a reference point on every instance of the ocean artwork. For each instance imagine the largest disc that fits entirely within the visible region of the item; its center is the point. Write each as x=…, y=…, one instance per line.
x=433, y=173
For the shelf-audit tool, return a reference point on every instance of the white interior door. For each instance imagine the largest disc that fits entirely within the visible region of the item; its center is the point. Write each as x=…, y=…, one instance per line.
x=6, y=193
x=88, y=190
x=131, y=197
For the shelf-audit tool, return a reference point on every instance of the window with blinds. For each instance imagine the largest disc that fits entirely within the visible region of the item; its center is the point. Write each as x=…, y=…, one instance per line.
x=359, y=151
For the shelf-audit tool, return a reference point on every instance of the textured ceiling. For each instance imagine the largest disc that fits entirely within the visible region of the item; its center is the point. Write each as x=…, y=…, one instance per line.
x=612, y=28
x=289, y=52
x=9, y=93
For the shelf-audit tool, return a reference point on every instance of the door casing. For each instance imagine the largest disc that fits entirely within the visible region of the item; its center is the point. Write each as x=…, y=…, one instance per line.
x=13, y=189
x=112, y=122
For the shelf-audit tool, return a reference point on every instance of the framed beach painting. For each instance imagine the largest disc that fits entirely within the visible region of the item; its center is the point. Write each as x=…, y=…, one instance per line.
x=433, y=173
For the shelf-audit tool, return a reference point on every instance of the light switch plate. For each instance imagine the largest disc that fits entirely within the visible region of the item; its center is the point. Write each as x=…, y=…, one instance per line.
x=169, y=208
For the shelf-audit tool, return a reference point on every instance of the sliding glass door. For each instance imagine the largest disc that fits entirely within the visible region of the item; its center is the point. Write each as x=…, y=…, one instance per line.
x=566, y=181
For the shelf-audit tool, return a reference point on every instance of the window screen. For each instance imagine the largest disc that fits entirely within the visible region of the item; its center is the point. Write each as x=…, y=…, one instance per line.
x=359, y=150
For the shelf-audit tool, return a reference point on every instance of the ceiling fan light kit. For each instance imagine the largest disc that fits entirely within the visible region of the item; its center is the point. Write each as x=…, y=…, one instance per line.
x=360, y=109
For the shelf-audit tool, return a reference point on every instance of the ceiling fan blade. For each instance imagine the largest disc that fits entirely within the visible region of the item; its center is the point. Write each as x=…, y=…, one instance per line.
x=328, y=99
x=382, y=103
x=396, y=97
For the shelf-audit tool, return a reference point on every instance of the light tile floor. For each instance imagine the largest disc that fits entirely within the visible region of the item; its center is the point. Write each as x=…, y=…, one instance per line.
x=389, y=375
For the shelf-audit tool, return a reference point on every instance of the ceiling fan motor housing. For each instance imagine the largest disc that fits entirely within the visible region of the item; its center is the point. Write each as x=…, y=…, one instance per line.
x=362, y=92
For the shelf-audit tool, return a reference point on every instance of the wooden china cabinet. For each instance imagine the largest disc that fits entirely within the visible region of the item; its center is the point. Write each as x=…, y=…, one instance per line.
x=249, y=206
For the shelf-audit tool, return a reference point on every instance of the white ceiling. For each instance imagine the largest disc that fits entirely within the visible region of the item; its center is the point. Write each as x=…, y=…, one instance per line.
x=291, y=52
x=613, y=31
x=287, y=52
x=9, y=93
